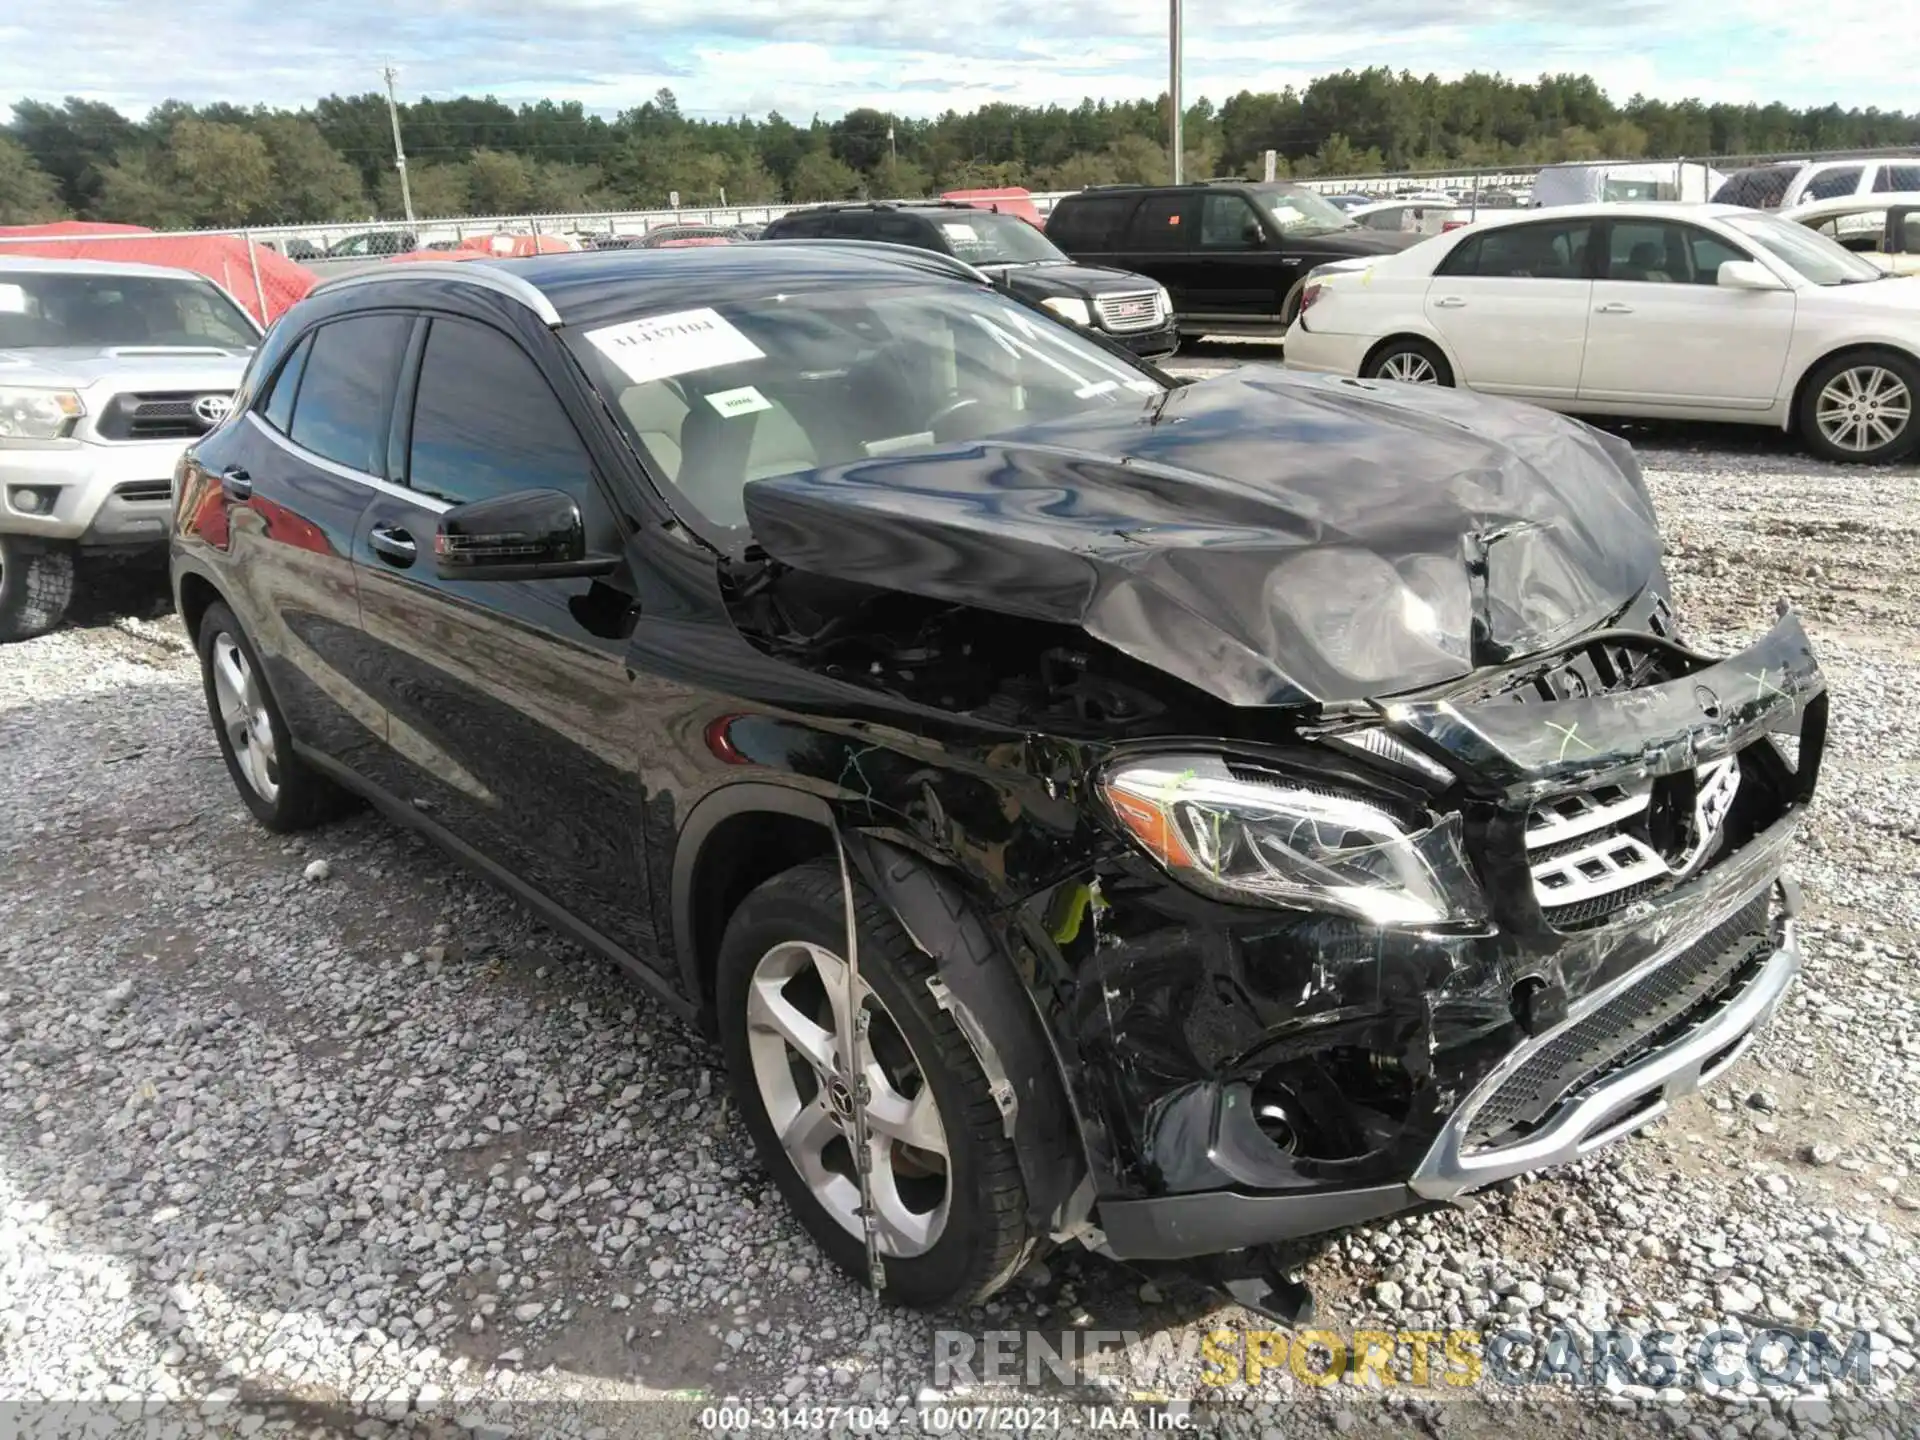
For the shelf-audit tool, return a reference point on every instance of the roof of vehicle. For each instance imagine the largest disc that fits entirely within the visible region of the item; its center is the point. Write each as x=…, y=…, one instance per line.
x=1615, y=209
x=838, y=205
x=1133, y=187
x=585, y=286
x=1850, y=204
x=33, y=264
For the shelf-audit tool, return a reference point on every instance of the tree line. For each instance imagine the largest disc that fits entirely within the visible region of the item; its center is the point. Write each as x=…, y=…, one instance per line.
x=220, y=164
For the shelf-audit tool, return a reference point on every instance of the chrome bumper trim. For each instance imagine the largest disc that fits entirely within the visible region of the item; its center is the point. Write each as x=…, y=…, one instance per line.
x=1618, y=1104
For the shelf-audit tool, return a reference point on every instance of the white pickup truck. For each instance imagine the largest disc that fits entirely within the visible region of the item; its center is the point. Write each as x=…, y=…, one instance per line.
x=107, y=372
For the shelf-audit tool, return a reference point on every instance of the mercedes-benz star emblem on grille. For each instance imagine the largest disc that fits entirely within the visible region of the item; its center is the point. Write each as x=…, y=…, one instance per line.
x=212, y=409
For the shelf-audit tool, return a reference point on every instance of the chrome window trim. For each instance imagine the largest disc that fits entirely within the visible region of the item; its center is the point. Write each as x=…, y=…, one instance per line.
x=470, y=272
x=347, y=472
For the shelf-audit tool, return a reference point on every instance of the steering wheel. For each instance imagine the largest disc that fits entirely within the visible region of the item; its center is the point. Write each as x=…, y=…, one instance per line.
x=947, y=412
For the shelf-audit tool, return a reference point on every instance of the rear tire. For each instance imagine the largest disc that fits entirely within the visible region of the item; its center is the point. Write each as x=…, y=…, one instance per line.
x=969, y=1243
x=36, y=586
x=1411, y=361
x=1860, y=408
x=282, y=790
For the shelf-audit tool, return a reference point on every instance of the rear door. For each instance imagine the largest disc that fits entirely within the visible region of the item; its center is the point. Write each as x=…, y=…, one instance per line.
x=1162, y=243
x=285, y=488
x=1663, y=332
x=1512, y=303
x=510, y=719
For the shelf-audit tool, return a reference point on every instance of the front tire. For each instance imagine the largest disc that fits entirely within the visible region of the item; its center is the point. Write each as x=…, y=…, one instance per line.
x=1859, y=408
x=283, y=792
x=36, y=586
x=947, y=1190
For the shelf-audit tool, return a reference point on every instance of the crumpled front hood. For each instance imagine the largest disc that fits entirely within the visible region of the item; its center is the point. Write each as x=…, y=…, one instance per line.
x=1273, y=538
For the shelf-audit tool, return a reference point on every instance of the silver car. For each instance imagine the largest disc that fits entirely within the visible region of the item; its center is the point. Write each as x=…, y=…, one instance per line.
x=107, y=372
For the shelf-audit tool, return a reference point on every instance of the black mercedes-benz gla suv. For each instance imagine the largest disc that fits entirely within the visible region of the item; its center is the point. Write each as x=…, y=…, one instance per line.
x=1171, y=818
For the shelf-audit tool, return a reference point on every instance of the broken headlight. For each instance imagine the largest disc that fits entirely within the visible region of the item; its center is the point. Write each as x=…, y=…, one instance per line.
x=1250, y=837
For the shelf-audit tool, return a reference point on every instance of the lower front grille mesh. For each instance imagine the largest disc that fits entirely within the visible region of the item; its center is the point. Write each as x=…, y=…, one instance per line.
x=1626, y=1026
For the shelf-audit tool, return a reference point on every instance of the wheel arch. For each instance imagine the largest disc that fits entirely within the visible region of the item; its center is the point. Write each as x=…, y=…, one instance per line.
x=735, y=839
x=194, y=594
x=745, y=833
x=1850, y=348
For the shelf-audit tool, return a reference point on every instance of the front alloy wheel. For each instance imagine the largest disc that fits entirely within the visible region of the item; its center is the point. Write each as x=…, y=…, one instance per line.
x=949, y=1205
x=1860, y=408
x=798, y=1023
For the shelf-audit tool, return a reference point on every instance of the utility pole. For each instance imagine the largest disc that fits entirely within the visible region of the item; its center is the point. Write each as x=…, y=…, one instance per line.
x=893, y=162
x=1173, y=89
x=399, y=155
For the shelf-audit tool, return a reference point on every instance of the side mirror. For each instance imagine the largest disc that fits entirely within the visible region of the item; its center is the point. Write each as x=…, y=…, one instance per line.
x=1747, y=275
x=528, y=535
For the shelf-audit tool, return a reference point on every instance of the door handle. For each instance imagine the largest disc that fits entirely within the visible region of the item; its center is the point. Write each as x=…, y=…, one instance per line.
x=393, y=545
x=236, y=484
x=1448, y=302
x=1613, y=307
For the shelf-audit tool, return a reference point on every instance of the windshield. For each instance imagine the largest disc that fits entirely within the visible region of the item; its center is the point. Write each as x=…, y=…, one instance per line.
x=1807, y=251
x=986, y=238
x=1301, y=212
x=716, y=397
x=44, y=310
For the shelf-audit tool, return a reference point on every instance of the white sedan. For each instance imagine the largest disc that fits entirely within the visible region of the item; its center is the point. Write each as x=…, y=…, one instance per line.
x=1691, y=312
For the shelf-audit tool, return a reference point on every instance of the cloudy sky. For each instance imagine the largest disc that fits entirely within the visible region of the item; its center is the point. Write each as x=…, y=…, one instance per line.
x=828, y=56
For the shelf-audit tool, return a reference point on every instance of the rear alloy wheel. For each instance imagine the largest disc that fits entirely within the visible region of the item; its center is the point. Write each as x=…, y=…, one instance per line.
x=1412, y=362
x=949, y=1206
x=1860, y=408
x=36, y=586
x=282, y=790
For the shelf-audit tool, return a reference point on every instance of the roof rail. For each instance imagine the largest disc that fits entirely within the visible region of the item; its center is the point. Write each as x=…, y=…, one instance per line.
x=912, y=255
x=473, y=272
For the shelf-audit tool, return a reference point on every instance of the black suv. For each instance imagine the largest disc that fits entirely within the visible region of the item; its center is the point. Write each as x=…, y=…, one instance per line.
x=1233, y=254
x=1173, y=818
x=1130, y=310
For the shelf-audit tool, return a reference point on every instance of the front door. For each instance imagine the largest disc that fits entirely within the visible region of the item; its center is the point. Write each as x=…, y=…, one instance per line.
x=1663, y=332
x=1239, y=276
x=510, y=723
x=1512, y=303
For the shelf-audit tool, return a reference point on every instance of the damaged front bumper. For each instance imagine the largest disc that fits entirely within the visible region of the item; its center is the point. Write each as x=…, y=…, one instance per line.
x=1628, y=1098
x=1534, y=1043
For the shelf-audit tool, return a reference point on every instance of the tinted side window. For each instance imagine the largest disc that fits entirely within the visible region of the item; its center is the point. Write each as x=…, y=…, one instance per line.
x=905, y=230
x=1760, y=188
x=851, y=225
x=1552, y=251
x=345, y=401
x=798, y=227
x=1831, y=184
x=1896, y=177
x=485, y=421
x=1163, y=222
x=278, y=409
x=1094, y=223
x=1227, y=222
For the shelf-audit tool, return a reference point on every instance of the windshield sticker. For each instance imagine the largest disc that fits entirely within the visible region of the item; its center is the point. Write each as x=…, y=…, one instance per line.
x=1286, y=214
x=676, y=344
x=957, y=230
x=743, y=401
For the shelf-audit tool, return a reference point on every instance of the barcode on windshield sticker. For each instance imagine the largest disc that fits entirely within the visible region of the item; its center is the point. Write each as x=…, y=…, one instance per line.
x=743, y=401
x=676, y=344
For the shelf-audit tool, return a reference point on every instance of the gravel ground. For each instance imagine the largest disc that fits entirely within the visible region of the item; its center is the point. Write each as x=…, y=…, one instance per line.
x=327, y=1136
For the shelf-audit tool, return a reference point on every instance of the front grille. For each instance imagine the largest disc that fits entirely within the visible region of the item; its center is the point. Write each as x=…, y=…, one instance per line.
x=144, y=491
x=1593, y=852
x=1124, y=313
x=155, y=415
x=1631, y=1024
